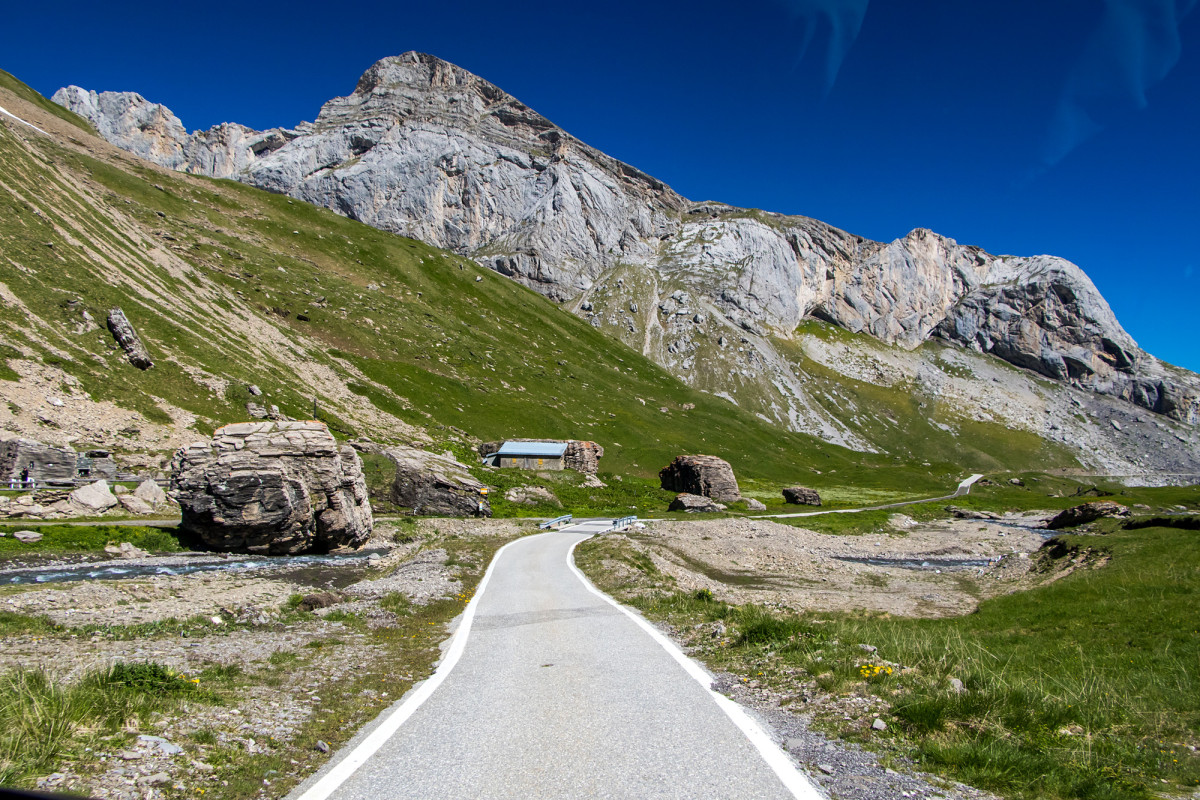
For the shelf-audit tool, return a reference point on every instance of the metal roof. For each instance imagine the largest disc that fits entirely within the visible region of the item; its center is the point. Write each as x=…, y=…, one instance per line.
x=535, y=449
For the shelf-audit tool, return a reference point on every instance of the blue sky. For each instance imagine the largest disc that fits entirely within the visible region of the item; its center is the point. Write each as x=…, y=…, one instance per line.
x=1069, y=127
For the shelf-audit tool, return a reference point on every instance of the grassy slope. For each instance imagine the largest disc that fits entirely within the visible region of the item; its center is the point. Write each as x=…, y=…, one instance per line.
x=438, y=342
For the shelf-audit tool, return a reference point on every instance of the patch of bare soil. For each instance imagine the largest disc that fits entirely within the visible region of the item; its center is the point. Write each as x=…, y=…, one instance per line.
x=926, y=569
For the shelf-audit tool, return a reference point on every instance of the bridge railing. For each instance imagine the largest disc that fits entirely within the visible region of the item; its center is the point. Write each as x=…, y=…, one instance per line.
x=557, y=520
x=623, y=523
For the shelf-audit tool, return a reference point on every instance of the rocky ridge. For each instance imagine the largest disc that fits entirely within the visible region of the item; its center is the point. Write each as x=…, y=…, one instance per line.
x=716, y=294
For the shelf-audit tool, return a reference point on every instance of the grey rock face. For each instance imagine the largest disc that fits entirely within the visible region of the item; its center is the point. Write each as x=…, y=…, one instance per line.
x=436, y=485
x=276, y=488
x=129, y=340
x=707, y=476
x=426, y=149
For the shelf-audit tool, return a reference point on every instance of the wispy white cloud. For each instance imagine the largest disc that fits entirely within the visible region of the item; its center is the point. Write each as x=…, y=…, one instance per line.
x=830, y=25
x=1134, y=46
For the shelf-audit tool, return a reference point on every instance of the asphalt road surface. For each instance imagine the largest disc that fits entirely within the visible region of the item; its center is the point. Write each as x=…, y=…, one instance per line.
x=551, y=690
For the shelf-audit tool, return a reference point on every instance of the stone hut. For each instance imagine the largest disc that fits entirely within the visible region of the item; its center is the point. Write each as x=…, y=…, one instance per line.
x=572, y=454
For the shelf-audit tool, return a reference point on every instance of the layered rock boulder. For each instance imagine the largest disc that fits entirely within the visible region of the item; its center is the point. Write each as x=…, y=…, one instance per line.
x=276, y=488
x=1088, y=512
x=801, y=496
x=436, y=485
x=708, y=476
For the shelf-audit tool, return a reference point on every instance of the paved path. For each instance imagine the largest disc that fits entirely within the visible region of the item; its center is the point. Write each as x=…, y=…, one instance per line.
x=551, y=690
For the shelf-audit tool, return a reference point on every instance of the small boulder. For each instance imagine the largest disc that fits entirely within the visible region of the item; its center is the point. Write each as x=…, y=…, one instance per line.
x=135, y=505
x=1088, y=512
x=970, y=513
x=801, y=496
x=311, y=602
x=532, y=496
x=95, y=498
x=150, y=493
x=701, y=475
x=28, y=537
x=125, y=550
x=694, y=503
x=754, y=505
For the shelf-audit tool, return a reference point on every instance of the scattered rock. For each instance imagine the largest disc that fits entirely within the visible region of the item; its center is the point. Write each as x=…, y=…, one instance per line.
x=902, y=521
x=135, y=505
x=956, y=686
x=754, y=505
x=1088, y=512
x=436, y=485
x=273, y=488
x=970, y=513
x=532, y=496
x=826, y=768
x=879, y=725
x=127, y=337
x=801, y=496
x=254, y=390
x=160, y=744
x=155, y=779
x=28, y=537
x=694, y=503
x=868, y=648
x=125, y=550
x=1016, y=481
x=701, y=475
x=322, y=746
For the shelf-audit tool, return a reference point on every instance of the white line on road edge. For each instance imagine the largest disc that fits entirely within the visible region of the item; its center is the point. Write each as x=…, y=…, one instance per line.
x=776, y=759
x=398, y=716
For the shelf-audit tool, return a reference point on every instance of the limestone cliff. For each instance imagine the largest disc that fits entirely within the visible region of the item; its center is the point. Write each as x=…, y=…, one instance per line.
x=426, y=149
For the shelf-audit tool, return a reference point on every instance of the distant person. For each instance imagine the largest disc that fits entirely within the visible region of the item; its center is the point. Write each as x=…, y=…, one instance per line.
x=25, y=477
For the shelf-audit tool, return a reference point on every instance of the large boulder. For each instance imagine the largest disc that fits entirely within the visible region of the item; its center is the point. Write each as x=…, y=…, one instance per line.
x=276, y=488
x=1088, y=512
x=703, y=475
x=150, y=493
x=694, y=503
x=95, y=498
x=801, y=496
x=437, y=485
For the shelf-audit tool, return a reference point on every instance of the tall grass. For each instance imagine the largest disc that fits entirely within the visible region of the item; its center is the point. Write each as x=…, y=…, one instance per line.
x=42, y=721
